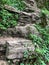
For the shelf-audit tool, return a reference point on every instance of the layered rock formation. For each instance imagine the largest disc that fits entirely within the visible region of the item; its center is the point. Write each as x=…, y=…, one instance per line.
x=14, y=48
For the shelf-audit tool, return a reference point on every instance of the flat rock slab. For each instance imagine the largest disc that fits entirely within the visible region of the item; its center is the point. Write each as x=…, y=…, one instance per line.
x=4, y=39
x=24, y=31
x=15, y=47
x=20, y=31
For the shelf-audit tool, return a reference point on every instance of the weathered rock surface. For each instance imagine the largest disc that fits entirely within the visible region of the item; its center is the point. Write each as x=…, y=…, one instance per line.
x=31, y=5
x=20, y=31
x=34, y=18
x=31, y=8
x=26, y=30
x=16, y=48
x=3, y=47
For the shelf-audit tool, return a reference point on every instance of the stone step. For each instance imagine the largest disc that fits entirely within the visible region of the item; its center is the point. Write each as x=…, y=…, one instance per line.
x=24, y=31
x=34, y=18
x=20, y=31
x=15, y=47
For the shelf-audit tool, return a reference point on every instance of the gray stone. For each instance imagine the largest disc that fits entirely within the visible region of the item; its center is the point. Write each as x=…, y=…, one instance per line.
x=25, y=30
x=3, y=47
x=21, y=31
x=31, y=4
x=16, y=48
x=24, y=19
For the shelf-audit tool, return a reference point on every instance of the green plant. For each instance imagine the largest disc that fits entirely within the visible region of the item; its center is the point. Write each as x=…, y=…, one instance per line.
x=18, y=4
x=21, y=64
x=9, y=19
x=45, y=11
x=41, y=52
x=41, y=46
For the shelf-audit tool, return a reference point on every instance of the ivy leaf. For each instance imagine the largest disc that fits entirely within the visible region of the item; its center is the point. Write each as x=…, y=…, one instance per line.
x=45, y=11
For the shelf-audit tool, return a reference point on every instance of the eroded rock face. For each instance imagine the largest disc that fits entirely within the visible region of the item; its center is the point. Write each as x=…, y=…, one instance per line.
x=34, y=18
x=16, y=48
x=31, y=7
x=26, y=30
x=21, y=31
x=31, y=4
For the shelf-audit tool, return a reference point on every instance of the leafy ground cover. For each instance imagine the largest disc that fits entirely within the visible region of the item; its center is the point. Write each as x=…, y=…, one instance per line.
x=8, y=19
